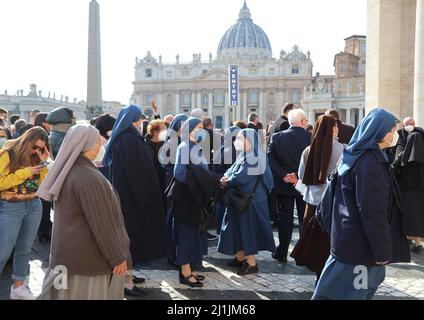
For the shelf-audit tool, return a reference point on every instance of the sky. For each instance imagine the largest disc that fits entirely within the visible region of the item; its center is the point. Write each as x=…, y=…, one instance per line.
x=45, y=41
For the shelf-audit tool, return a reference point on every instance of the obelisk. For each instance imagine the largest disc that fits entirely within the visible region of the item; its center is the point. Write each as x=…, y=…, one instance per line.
x=94, y=73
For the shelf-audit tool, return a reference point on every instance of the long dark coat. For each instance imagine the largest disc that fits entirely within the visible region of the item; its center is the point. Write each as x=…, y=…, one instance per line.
x=134, y=176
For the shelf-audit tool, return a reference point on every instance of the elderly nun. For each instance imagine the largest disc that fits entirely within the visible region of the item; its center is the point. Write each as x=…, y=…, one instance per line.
x=89, y=244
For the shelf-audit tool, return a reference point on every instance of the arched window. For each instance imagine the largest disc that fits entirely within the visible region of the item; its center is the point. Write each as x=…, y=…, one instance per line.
x=295, y=69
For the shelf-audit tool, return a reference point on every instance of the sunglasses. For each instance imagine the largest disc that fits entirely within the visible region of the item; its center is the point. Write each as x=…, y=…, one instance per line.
x=38, y=148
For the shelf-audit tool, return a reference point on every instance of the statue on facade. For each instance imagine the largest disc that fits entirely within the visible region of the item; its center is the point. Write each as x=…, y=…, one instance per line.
x=282, y=54
x=54, y=95
x=33, y=90
x=210, y=56
x=49, y=95
x=361, y=86
x=309, y=55
x=5, y=92
x=40, y=93
x=61, y=98
x=136, y=60
x=178, y=58
x=160, y=59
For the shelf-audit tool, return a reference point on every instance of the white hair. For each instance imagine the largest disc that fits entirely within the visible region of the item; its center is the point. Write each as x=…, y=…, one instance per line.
x=198, y=113
x=296, y=116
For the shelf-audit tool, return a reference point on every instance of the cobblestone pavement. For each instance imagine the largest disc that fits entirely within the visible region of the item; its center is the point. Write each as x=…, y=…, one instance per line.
x=274, y=281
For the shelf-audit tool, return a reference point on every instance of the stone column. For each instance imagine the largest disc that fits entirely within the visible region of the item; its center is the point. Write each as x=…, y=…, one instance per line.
x=361, y=114
x=419, y=66
x=193, y=100
x=390, y=55
x=159, y=102
x=311, y=116
x=177, y=103
x=348, y=114
x=261, y=109
x=210, y=106
x=226, y=111
x=199, y=99
x=244, y=115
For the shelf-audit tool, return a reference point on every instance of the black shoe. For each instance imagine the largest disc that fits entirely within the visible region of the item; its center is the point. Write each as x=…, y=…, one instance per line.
x=418, y=249
x=248, y=269
x=235, y=263
x=212, y=237
x=138, y=280
x=186, y=281
x=199, y=277
x=279, y=258
x=134, y=292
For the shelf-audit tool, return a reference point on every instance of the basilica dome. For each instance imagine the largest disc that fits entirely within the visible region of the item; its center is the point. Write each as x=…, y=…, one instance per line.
x=245, y=39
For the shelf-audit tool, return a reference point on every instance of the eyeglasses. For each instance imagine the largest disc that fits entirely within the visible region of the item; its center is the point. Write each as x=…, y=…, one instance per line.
x=38, y=148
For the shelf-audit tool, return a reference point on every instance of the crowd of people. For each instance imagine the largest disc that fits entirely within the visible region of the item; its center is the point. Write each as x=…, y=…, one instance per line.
x=128, y=191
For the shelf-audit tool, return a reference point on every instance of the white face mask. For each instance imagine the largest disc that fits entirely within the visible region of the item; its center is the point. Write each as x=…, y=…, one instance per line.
x=162, y=135
x=394, y=141
x=239, y=145
x=410, y=128
x=109, y=133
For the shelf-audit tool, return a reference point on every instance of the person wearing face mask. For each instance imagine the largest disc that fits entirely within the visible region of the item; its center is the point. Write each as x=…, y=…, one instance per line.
x=318, y=162
x=409, y=165
x=366, y=222
x=89, y=237
x=104, y=124
x=408, y=128
x=245, y=234
x=155, y=138
x=133, y=174
x=223, y=160
x=61, y=120
x=190, y=194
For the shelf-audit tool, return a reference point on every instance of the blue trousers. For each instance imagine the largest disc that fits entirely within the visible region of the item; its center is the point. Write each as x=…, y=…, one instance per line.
x=19, y=222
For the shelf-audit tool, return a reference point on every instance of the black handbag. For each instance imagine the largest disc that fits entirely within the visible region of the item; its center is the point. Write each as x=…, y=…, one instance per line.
x=238, y=201
x=324, y=213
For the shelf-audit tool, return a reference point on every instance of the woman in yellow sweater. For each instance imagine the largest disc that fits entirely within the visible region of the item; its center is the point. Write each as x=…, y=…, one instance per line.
x=21, y=173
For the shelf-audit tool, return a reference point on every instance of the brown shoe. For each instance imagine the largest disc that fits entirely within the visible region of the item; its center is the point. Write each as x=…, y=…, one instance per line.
x=248, y=269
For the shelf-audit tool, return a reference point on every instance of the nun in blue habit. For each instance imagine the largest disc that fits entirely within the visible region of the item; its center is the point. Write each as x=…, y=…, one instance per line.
x=133, y=175
x=188, y=237
x=245, y=234
x=362, y=236
x=167, y=155
x=221, y=163
x=167, y=158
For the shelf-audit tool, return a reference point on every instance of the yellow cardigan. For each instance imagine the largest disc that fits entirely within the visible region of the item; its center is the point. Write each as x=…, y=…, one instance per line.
x=11, y=180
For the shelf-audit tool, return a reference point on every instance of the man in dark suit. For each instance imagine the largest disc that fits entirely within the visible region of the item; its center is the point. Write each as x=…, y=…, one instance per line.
x=282, y=123
x=253, y=120
x=408, y=128
x=284, y=154
x=345, y=131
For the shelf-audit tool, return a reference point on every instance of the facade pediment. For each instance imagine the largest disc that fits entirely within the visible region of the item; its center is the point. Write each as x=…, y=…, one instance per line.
x=215, y=74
